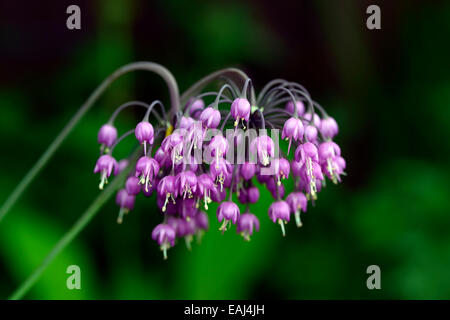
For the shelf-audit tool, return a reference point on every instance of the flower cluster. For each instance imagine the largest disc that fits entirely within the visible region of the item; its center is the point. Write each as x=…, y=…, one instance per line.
x=211, y=151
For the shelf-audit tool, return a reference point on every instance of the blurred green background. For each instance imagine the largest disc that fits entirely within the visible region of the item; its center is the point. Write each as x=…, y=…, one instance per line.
x=389, y=90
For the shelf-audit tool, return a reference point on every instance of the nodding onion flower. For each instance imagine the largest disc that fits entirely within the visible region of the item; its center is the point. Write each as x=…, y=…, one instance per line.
x=213, y=145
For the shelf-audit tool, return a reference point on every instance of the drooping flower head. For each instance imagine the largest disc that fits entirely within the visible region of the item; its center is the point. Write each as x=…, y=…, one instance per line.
x=187, y=172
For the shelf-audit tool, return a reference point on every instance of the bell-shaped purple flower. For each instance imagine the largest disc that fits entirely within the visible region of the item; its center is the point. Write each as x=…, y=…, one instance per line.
x=107, y=135
x=306, y=151
x=250, y=195
x=144, y=132
x=240, y=110
x=166, y=190
x=218, y=147
x=297, y=202
x=281, y=169
x=296, y=168
x=187, y=208
x=210, y=118
x=202, y=221
x=132, y=185
x=227, y=211
x=247, y=224
x=300, y=107
x=106, y=165
x=218, y=195
x=219, y=171
x=186, y=122
x=279, y=211
x=264, y=147
x=247, y=170
x=165, y=236
x=126, y=203
x=205, y=185
x=146, y=169
x=185, y=184
x=292, y=130
x=195, y=106
x=310, y=133
x=329, y=128
x=316, y=119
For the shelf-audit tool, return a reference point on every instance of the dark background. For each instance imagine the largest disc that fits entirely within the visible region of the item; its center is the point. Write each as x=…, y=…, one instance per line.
x=388, y=89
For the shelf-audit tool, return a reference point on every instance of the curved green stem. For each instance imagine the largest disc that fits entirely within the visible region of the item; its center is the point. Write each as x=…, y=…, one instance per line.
x=199, y=85
x=39, y=165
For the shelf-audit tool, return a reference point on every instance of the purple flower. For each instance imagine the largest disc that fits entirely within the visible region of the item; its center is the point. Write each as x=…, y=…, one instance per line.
x=264, y=147
x=247, y=170
x=277, y=190
x=185, y=184
x=205, y=185
x=306, y=151
x=328, y=149
x=280, y=211
x=144, y=132
x=132, y=185
x=210, y=118
x=247, y=223
x=316, y=119
x=329, y=128
x=147, y=168
x=300, y=107
x=296, y=168
x=219, y=170
x=166, y=190
x=201, y=221
x=186, y=122
x=107, y=135
x=218, y=147
x=105, y=165
x=195, y=106
x=240, y=110
x=218, y=195
x=297, y=201
x=126, y=203
x=187, y=207
x=292, y=130
x=282, y=168
x=228, y=211
x=310, y=133
x=165, y=236
x=250, y=195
